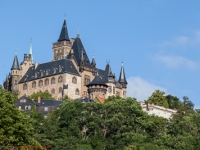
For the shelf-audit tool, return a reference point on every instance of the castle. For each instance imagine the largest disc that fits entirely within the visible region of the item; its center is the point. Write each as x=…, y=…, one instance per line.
x=70, y=73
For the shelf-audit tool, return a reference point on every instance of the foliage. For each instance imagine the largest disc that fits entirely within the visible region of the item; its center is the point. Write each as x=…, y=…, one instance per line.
x=42, y=95
x=15, y=126
x=158, y=98
x=118, y=124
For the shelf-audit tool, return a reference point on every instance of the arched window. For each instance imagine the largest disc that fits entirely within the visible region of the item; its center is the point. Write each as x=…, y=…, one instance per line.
x=53, y=81
x=24, y=86
x=53, y=91
x=33, y=84
x=40, y=83
x=15, y=85
x=86, y=80
x=60, y=79
x=60, y=90
x=77, y=92
x=74, y=80
x=46, y=81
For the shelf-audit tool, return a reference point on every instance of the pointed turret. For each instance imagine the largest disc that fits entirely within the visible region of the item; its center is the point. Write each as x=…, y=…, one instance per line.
x=122, y=77
x=93, y=62
x=108, y=75
x=64, y=33
x=15, y=63
x=30, y=52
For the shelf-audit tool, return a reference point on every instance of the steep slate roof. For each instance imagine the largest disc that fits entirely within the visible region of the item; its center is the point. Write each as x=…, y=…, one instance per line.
x=78, y=49
x=15, y=63
x=97, y=81
x=47, y=102
x=122, y=77
x=85, y=100
x=64, y=33
x=108, y=75
x=100, y=72
x=67, y=67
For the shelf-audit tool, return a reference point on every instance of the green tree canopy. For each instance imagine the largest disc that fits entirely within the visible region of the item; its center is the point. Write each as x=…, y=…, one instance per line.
x=15, y=126
x=158, y=98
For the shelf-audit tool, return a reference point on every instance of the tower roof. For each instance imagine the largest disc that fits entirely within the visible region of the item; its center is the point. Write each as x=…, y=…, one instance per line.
x=15, y=64
x=93, y=61
x=97, y=81
x=108, y=75
x=64, y=33
x=122, y=77
x=79, y=52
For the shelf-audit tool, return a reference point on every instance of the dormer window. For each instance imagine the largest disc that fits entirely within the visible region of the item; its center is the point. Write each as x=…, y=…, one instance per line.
x=42, y=73
x=47, y=72
x=54, y=70
x=60, y=68
x=36, y=75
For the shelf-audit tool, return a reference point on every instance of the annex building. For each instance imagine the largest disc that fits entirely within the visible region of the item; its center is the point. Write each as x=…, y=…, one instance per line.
x=69, y=73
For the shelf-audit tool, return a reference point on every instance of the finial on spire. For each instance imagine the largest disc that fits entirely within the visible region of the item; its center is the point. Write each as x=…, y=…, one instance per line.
x=30, y=51
x=77, y=31
x=16, y=52
x=122, y=63
x=65, y=16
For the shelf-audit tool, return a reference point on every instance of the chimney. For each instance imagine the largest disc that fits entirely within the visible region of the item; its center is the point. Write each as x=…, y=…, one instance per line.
x=39, y=99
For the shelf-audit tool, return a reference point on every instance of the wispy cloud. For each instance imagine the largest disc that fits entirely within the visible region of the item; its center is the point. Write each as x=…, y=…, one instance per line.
x=176, y=61
x=141, y=89
x=182, y=40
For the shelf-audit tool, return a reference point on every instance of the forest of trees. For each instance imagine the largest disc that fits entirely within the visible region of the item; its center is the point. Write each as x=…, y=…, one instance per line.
x=118, y=124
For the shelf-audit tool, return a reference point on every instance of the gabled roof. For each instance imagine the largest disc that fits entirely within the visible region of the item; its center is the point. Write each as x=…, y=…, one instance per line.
x=79, y=52
x=97, y=81
x=64, y=33
x=122, y=77
x=66, y=65
x=46, y=103
x=15, y=64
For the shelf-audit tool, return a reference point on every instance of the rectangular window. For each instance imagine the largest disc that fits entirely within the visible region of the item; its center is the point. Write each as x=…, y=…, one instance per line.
x=45, y=108
x=22, y=100
x=28, y=107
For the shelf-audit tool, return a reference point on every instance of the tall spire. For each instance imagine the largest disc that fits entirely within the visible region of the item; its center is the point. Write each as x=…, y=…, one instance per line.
x=93, y=61
x=122, y=77
x=15, y=63
x=30, y=51
x=64, y=33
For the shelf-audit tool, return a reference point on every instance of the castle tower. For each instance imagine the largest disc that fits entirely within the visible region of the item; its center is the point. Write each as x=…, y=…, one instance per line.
x=63, y=46
x=97, y=88
x=122, y=80
x=15, y=75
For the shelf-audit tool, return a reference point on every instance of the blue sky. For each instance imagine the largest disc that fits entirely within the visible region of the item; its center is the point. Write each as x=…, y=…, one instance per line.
x=158, y=40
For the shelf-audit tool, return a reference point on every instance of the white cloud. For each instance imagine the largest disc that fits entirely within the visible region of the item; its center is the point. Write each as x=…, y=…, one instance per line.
x=176, y=61
x=140, y=88
x=181, y=40
x=176, y=41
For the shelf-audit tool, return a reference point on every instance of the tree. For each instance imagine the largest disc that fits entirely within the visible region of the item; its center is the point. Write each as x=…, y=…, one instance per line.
x=174, y=102
x=158, y=98
x=42, y=95
x=187, y=103
x=15, y=126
